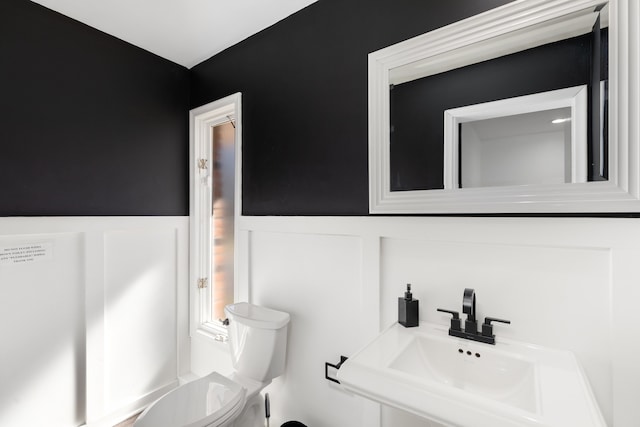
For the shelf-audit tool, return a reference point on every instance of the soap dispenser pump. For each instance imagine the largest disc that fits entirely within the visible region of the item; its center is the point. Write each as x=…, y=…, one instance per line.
x=408, y=309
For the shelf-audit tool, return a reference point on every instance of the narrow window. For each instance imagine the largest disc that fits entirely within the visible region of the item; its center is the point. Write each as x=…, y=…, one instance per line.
x=222, y=232
x=215, y=199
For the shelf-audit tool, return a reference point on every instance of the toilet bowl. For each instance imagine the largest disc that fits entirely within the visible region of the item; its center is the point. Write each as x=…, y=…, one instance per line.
x=257, y=340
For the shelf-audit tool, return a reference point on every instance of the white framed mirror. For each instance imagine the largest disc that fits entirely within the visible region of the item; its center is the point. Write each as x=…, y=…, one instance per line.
x=596, y=165
x=526, y=140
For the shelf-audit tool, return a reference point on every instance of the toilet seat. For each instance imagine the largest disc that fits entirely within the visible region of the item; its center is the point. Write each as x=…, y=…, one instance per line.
x=251, y=387
x=213, y=400
x=258, y=342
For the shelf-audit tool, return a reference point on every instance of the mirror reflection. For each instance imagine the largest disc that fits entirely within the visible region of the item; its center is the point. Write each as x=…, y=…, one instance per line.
x=530, y=148
x=571, y=52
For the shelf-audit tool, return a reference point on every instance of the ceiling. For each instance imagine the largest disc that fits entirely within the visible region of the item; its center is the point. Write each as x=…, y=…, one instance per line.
x=184, y=31
x=533, y=123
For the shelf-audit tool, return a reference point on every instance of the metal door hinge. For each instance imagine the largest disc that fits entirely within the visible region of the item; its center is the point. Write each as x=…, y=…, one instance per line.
x=202, y=283
x=202, y=164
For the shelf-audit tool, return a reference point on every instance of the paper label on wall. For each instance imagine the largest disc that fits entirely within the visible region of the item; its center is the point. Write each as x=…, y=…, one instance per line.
x=25, y=253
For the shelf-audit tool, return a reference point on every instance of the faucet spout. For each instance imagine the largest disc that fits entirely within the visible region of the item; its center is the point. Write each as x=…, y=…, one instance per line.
x=470, y=331
x=469, y=304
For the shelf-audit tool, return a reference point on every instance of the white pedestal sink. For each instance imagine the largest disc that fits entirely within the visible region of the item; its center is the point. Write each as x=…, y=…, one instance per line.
x=463, y=383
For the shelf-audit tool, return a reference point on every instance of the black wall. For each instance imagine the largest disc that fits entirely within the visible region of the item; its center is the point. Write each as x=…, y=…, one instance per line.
x=89, y=125
x=304, y=87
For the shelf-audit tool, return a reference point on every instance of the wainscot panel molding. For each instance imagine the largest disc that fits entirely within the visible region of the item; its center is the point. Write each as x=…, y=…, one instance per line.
x=567, y=283
x=97, y=317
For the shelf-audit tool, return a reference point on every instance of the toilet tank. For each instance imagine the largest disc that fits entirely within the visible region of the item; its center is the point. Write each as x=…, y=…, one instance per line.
x=258, y=340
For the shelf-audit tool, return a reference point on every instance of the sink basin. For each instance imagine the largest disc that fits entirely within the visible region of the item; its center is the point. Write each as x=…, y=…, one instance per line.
x=494, y=375
x=459, y=382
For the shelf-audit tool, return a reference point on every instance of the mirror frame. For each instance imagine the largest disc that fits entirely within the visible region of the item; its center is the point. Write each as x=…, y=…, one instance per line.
x=573, y=97
x=621, y=193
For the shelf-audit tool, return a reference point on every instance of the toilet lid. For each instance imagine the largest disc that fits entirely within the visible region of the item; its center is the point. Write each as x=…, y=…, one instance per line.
x=211, y=400
x=256, y=316
x=218, y=399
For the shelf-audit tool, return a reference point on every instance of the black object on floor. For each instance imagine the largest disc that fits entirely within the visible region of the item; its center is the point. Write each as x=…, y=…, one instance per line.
x=293, y=424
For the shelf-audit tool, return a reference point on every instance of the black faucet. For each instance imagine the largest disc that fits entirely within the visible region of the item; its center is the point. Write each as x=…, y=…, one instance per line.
x=469, y=308
x=470, y=331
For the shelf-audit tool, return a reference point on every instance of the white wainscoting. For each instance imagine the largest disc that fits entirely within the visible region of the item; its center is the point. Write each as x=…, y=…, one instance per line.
x=98, y=328
x=570, y=283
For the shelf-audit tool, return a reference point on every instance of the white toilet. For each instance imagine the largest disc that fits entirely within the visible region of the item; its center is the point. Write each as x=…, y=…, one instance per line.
x=258, y=341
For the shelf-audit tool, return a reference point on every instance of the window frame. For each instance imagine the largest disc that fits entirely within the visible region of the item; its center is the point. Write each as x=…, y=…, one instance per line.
x=202, y=120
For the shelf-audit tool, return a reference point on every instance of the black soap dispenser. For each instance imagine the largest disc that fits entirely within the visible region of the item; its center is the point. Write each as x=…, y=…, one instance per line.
x=408, y=309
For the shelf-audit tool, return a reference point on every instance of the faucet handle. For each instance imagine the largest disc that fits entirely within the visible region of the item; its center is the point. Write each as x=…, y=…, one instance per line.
x=487, y=327
x=455, y=314
x=455, y=320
